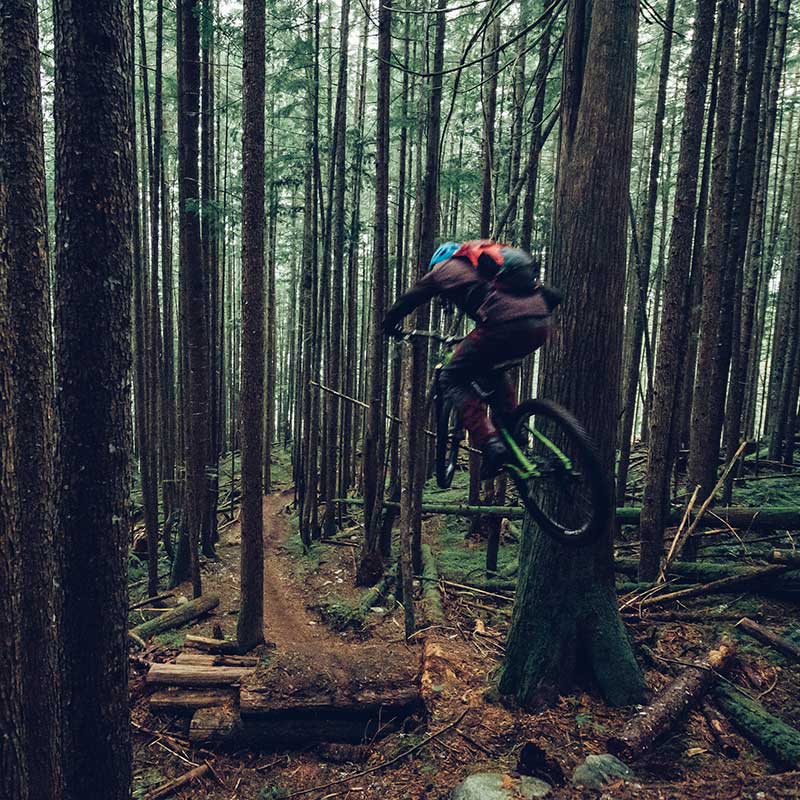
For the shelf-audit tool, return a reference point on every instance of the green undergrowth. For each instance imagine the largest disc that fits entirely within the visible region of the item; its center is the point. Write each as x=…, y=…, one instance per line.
x=145, y=781
x=171, y=639
x=457, y=493
x=281, y=467
x=778, y=491
x=340, y=614
x=464, y=560
x=273, y=793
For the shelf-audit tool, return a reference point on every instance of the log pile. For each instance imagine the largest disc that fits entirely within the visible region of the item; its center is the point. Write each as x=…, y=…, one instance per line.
x=229, y=706
x=183, y=701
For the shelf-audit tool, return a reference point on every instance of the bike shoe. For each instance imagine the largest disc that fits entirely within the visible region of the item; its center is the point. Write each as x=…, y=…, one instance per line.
x=494, y=456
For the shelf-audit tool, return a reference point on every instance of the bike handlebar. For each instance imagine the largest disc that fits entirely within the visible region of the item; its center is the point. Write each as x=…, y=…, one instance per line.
x=448, y=340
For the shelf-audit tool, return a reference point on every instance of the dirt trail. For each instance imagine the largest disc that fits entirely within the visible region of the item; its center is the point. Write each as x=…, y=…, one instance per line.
x=305, y=645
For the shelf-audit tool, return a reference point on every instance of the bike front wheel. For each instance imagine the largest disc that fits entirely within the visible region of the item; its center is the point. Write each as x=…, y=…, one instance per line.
x=567, y=494
x=449, y=434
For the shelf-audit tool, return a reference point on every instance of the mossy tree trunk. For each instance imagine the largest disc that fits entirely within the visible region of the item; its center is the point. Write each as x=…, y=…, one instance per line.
x=565, y=628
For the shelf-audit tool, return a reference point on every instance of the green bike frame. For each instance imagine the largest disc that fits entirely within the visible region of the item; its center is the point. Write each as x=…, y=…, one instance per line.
x=524, y=469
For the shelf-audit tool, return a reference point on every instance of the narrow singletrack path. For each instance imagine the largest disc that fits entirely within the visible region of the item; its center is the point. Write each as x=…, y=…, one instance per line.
x=307, y=650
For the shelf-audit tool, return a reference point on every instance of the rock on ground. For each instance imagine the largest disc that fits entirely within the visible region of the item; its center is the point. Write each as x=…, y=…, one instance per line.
x=499, y=786
x=597, y=771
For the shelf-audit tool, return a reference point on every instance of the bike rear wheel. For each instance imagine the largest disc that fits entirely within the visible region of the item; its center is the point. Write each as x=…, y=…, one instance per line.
x=449, y=435
x=570, y=497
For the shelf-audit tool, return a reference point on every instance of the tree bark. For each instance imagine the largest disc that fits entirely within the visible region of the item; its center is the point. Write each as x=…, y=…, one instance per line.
x=554, y=621
x=94, y=242
x=704, y=437
x=13, y=754
x=22, y=172
x=673, y=334
x=641, y=277
x=178, y=616
x=740, y=339
x=337, y=282
x=193, y=295
x=375, y=438
x=641, y=733
x=250, y=626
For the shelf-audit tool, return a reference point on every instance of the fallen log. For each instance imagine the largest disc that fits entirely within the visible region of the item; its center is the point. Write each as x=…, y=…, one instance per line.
x=149, y=601
x=194, y=675
x=205, y=643
x=212, y=660
x=785, y=557
x=177, y=616
x=187, y=701
x=220, y=724
x=720, y=729
x=704, y=571
x=266, y=720
x=430, y=587
x=170, y=787
x=777, y=740
x=438, y=676
x=372, y=597
x=785, y=646
x=700, y=617
x=785, y=586
x=721, y=585
x=767, y=518
x=263, y=703
x=640, y=733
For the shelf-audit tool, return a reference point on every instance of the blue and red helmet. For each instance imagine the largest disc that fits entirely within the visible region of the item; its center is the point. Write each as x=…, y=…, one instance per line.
x=443, y=252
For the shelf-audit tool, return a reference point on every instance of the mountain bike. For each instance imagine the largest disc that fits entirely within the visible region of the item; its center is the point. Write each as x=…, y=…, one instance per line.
x=551, y=459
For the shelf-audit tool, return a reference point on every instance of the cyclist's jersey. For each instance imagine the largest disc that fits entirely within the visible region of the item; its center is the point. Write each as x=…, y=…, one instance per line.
x=459, y=282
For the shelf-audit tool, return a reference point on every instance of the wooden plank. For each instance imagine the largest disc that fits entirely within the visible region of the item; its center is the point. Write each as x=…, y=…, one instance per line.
x=212, y=660
x=209, y=645
x=254, y=701
x=187, y=701
x=194, y=675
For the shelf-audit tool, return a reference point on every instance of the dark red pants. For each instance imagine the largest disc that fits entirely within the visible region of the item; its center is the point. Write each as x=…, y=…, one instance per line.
x=469, y=375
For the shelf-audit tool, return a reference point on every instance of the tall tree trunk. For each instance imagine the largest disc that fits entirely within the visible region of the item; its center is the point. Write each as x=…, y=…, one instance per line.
x=695, y=291
x=193, y=295
x=375, y=439
x=250, y=627
x=337, y=282
x=411, y=514
x=673, y=335
x=22, y=174
x=542, y=69
x=208, y=246
x=704, y=436
x=489, y=106
x=13, y=753
x=642, y=278
x=151, y=321
x=349, y=439
x=94, y=241
x=147, y=478
x=565, y=627
x=737, y=251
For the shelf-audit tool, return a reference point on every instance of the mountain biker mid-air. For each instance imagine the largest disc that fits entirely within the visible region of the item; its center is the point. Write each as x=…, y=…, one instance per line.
x=499, y=288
